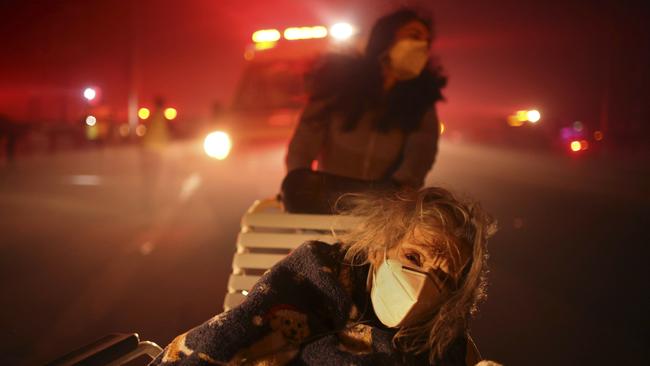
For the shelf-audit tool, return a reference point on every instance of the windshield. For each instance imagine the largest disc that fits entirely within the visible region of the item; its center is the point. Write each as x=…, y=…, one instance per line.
x=271, y=85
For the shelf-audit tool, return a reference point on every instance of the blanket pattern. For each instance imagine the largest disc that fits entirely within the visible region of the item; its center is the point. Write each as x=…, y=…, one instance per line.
x=309, y=309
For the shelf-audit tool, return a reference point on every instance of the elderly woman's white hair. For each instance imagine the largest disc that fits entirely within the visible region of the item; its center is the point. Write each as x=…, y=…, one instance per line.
x=388, y=218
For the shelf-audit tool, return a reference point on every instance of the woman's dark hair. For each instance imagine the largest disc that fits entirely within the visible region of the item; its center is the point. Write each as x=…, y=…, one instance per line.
x=352, y=85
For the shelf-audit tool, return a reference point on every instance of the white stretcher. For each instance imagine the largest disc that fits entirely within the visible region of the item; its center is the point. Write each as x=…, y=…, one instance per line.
x=267, y=235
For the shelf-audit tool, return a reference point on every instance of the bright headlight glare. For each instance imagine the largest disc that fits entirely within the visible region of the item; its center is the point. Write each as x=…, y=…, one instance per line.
x=341, y=31
x=217, y=145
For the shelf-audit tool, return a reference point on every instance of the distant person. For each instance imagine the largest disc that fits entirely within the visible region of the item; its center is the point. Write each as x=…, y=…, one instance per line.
x=399, y=289
x=156, y=137
x=371, y=120
x=154, y=144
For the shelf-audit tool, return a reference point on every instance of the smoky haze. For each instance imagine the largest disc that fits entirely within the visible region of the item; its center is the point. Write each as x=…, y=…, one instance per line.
x=575, y=61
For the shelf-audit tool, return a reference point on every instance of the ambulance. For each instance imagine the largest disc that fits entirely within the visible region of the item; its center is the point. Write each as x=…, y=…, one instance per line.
x=271, y=93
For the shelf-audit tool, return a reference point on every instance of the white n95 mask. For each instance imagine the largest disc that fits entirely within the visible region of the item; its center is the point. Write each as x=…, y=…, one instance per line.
x=408, y=58
x=401, y=295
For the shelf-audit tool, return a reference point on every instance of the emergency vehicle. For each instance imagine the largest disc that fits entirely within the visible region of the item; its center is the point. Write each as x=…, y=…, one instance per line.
x=271, y=94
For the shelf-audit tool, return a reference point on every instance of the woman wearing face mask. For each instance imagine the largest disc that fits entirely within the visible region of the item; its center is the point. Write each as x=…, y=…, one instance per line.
x=371, y=121
x=399, y=289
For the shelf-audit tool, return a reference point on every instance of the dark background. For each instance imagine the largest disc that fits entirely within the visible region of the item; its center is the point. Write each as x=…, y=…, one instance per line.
x=571, y=59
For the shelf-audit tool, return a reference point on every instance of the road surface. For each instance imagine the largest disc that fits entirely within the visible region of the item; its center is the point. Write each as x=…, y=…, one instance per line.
x=90, y=246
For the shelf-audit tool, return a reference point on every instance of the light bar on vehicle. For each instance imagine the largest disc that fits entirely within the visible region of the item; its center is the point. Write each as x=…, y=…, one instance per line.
x=341, y=31
x=261, y=46
x=266, y=35
x=296, y=33
x=338, y=31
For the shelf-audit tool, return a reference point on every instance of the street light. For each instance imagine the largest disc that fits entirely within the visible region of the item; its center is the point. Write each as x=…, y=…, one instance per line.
x=533, y=115
x=91, y=121
x=170, y=113
x=90, y=94
x=144, y=113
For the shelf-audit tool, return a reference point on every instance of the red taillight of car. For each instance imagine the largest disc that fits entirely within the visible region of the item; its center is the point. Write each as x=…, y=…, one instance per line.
x=575, y=146
x=578, y=145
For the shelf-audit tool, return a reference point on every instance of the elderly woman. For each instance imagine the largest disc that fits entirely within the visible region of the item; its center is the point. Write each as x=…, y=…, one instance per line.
x=398, y=289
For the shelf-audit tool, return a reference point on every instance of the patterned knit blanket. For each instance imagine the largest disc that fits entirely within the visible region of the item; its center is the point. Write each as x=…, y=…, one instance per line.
x=309, y=309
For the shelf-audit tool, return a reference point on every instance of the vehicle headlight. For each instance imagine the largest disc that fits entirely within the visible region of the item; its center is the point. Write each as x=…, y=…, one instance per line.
x=217, y=145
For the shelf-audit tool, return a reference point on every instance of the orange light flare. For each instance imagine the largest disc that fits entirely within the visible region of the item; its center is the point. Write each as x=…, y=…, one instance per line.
x=141, y=130
x=522, y=116
x=124, y=130
x=514, y=121
x=249, y=55
x=442, y=127
x=261, y=46
x=598, y=136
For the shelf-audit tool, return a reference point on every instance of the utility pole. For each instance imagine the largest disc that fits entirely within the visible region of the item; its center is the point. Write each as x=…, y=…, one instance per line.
x=133, y=77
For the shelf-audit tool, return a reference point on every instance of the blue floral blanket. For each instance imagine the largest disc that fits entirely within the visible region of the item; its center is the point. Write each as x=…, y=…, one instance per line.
x=309, y=309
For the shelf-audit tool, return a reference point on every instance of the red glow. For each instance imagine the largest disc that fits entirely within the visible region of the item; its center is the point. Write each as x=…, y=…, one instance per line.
x=584, y=145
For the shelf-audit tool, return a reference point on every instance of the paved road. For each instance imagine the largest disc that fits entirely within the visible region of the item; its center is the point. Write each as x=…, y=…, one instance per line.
x=90, y=246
